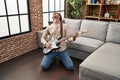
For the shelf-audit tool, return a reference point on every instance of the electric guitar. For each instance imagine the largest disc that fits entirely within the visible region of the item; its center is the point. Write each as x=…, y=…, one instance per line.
x=54, y=43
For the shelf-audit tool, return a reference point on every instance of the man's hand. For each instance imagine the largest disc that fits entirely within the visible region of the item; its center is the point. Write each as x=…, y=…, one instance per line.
x=74, y=37
x=48, y=45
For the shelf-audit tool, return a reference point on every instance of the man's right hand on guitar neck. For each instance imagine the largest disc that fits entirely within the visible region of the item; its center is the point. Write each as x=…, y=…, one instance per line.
x=48, y=45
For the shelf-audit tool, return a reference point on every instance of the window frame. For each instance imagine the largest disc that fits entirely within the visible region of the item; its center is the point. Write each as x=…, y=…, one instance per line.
x=48, y=12
x=19, y=21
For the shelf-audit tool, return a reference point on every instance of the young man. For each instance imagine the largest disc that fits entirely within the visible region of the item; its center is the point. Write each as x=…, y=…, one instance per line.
x=54, y=30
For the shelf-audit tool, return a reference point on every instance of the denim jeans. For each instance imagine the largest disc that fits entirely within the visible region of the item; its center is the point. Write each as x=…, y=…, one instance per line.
x=64, y=57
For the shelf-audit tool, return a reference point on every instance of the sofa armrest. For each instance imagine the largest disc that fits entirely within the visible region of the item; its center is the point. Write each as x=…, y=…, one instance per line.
x=39, y=35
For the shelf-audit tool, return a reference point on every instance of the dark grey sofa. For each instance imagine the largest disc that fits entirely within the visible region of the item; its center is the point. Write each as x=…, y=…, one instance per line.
x=99, y=48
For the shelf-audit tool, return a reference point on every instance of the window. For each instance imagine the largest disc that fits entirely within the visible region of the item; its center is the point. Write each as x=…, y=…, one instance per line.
x=51, y=6
x=14, y=17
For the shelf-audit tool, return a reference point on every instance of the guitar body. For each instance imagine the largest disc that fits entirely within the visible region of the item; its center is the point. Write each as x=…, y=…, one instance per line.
x=53, y=47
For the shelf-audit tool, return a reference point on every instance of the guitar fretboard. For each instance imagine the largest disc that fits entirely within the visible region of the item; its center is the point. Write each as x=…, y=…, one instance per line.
x=63, y=39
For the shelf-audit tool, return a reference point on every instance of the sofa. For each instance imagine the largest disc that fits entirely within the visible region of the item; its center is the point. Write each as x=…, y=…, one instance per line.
x=99, y=48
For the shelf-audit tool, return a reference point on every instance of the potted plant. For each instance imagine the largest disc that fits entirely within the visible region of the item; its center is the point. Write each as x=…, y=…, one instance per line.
x=74, y=8
x=112, y=15
x=94, y=14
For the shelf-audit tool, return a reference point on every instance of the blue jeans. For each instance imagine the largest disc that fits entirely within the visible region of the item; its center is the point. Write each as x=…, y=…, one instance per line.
x=64, y=57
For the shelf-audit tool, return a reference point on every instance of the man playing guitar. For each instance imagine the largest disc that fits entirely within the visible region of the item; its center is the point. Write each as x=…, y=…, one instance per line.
x=53, y=31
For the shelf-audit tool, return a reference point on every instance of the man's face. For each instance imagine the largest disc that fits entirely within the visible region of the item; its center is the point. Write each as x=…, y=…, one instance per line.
x=56, y=17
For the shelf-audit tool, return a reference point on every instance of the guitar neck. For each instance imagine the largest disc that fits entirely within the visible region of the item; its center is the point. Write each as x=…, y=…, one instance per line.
x=77, y=33
x=63, y=39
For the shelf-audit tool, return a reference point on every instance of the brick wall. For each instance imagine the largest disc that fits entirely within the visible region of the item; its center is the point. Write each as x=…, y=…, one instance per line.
x=18, y=45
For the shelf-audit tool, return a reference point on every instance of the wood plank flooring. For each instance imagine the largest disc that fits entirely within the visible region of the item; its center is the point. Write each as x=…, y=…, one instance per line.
x=27, y=67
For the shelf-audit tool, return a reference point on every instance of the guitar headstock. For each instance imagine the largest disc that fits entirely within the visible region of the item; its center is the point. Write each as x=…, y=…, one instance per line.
x=82, y=31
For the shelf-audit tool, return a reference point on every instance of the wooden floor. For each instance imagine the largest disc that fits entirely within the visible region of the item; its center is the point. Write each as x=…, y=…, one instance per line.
x=27, y=67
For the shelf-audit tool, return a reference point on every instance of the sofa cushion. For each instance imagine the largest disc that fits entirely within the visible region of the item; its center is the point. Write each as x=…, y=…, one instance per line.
x=96, y=29
x=74, y=24
x=103, y=64
x=85, y=44
x=113, y=34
